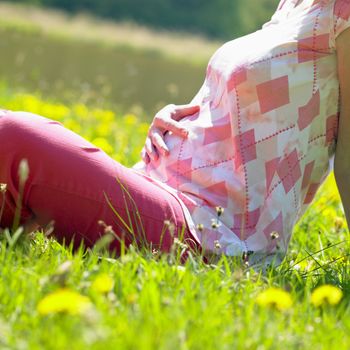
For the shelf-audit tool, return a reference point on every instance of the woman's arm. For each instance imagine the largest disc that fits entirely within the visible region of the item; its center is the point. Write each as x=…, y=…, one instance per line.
x=342, y=154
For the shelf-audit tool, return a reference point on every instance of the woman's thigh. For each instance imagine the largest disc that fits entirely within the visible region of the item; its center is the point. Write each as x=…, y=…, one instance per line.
x=79, y=187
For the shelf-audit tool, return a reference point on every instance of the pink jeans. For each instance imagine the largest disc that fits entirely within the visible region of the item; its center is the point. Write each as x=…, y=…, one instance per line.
x=75, y=184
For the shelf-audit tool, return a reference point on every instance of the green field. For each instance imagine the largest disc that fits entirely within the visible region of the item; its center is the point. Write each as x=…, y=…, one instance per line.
x=51, y=298
x=95, y=74
x=149, y=302
x=96, y=63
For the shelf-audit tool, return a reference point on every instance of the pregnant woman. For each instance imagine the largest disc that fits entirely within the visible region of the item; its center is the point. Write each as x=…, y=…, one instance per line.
x=232, y=172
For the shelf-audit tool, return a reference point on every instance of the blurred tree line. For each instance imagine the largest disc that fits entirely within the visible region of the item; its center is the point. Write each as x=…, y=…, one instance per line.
x=222, y=19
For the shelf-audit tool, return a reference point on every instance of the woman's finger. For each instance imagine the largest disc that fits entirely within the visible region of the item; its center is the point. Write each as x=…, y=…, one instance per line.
x=158, y=141
x=184, y=111
x=171, y=125
x=145, y=157
x=150, y=149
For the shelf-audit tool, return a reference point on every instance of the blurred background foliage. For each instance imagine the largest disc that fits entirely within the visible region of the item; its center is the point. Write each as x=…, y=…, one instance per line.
x=222, y=19
x=126, y=55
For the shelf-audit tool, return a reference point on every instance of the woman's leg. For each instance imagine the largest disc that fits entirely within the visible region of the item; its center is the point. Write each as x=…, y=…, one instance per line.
x=75, y=184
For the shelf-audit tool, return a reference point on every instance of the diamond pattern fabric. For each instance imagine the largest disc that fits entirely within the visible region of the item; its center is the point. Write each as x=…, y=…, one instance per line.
x=261, y=143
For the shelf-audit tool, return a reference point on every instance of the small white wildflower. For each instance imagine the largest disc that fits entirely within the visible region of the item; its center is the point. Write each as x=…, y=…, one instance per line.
x=170, y=226
x=274, y=235
x=219, y=210
x=200, y=227
x=217, y=245
x=180, y=244
x=23, y=170
x=167, y=223
x=3, y=188
x=215, y=224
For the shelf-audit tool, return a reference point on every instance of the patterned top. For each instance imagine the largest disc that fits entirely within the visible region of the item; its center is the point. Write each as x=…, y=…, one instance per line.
x=261, y=144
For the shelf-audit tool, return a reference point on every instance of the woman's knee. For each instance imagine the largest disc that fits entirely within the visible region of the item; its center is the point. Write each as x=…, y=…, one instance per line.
x=19, y=131
x=14, y=130
x=11, y=138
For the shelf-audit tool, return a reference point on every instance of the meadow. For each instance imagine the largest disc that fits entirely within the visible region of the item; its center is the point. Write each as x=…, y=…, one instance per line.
x=141, y=301
x=54, y=298
x=99, y=63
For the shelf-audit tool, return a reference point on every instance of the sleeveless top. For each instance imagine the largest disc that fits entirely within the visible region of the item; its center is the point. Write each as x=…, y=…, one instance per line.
x=260, y=146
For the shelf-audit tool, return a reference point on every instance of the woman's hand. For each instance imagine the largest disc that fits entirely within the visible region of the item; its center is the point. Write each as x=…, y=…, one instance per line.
x=167, y=119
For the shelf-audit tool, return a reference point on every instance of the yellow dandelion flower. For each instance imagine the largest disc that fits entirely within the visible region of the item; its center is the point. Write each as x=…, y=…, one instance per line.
x=132, y=298
x=130, y=119
x=64, y=301
x=338, y=223
x=103, y=283
x=344, y=260
x=275, y=298
x=326, y=294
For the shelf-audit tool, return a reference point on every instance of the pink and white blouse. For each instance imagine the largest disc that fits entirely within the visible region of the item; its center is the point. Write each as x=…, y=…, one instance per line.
x=261, y=144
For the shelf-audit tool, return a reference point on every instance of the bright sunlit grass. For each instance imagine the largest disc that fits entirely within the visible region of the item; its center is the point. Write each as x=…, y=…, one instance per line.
x=51, y=298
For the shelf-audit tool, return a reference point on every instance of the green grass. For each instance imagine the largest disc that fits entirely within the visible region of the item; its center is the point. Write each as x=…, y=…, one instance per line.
x=173, y=45
x=155, y=303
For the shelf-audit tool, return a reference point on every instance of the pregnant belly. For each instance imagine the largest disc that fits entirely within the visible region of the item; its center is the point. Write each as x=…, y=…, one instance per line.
x=190, y=157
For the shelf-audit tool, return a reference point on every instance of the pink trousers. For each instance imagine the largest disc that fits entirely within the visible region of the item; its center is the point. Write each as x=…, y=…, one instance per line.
x=80, y=188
